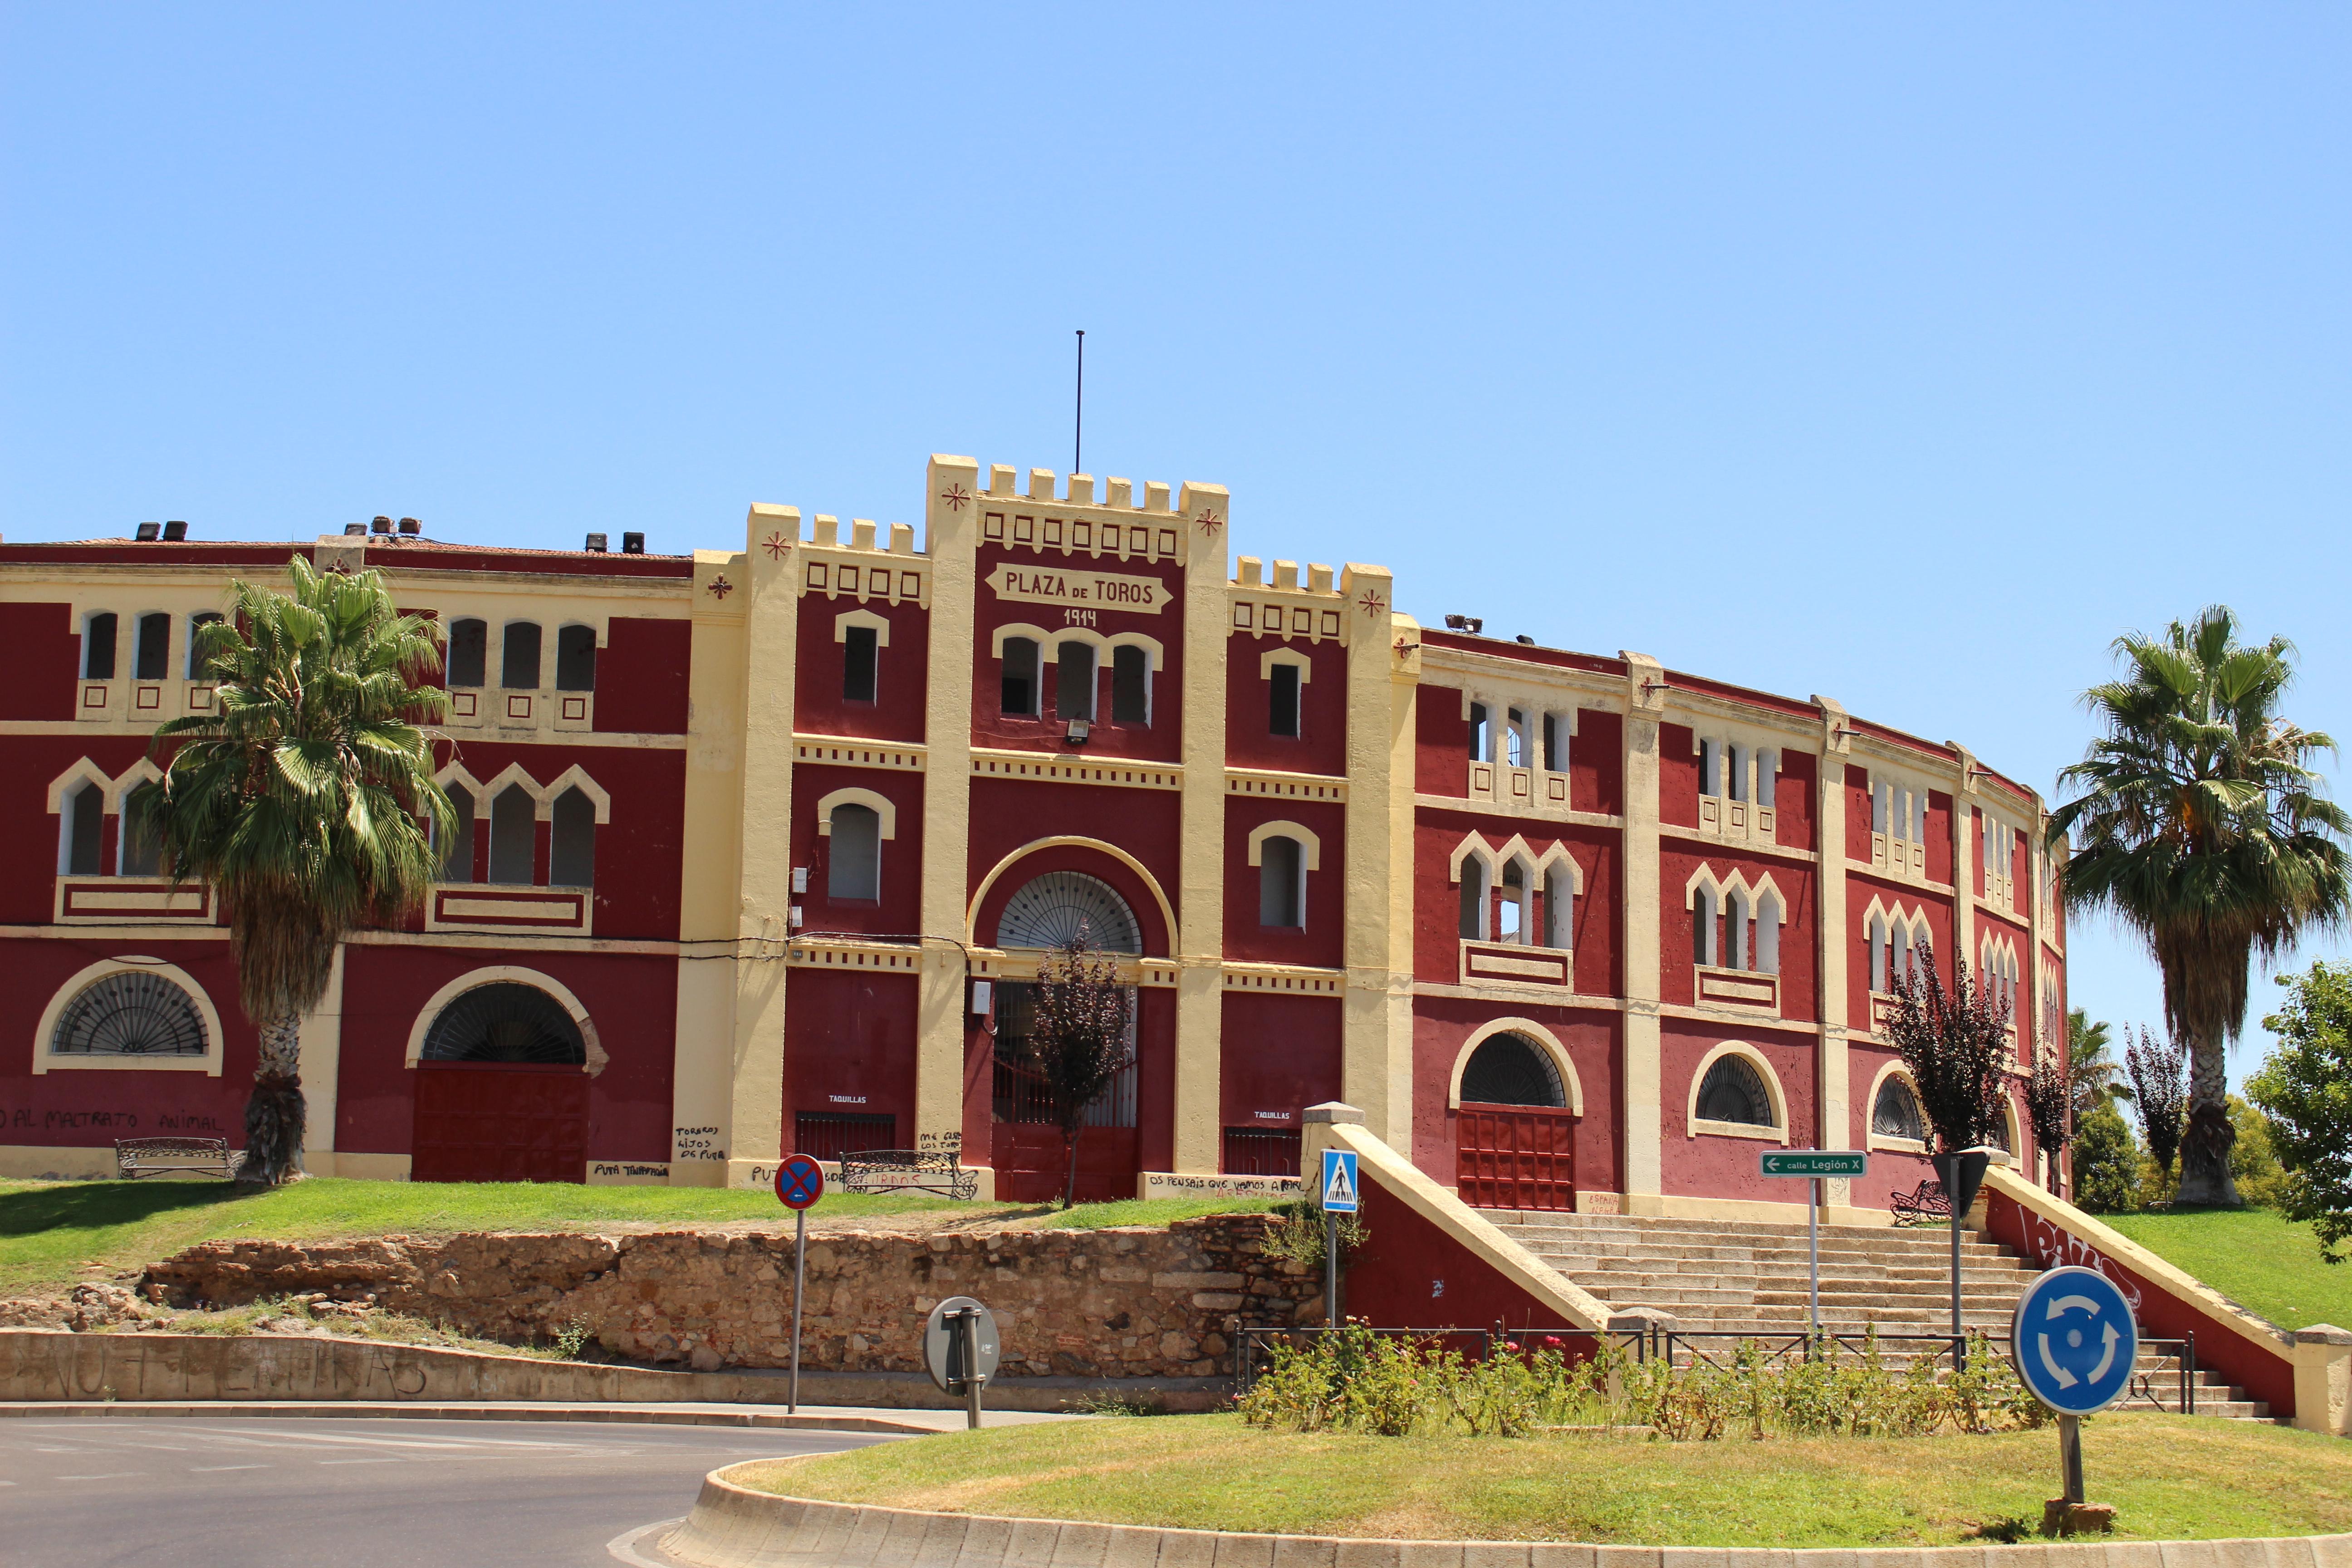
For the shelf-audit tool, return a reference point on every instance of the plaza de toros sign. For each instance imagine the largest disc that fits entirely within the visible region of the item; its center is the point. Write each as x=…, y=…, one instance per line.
x=1080, y=589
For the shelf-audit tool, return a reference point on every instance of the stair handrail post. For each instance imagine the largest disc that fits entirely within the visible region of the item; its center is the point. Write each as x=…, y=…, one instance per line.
x=2188, y=1375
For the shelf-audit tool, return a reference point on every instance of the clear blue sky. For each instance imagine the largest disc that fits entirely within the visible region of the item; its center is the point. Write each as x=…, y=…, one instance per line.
x=1904, y=354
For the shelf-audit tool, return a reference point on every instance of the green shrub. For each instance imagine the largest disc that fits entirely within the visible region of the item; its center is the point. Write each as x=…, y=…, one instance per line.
x=2107, y=1162
x=1296, y=1236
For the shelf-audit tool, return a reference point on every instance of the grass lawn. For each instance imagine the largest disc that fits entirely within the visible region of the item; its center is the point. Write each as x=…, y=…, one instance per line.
x=51, y=1233
x=2171, y=1477
x=2254, y=1256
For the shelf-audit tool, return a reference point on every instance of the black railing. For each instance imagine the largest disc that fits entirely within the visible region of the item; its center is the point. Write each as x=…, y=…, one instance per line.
x=1719, y=1347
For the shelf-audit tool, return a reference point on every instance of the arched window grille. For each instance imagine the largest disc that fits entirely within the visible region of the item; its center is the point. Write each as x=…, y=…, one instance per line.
x=130, y=1013
x=1733, y=1090
x=1895, y=1113
x=505, y=1021
x=1048, y=911
x=1511, y=1070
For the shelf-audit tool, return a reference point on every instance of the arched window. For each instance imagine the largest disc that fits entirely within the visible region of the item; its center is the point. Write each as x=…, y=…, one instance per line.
x=458, y=851
x=1705, y=940
x=514, y=837
x=97, y=647
x=150, y=654
x=141, y=855
x=1735, y=926
x=82, y=832
x=1559, y=907
x=1508, y=924
x=1734, y=1091
x=1020, y=684
x=1511, y=1070
x=1473, y=897
x=1048, y=910
x=853, y=865
x=1073, y=684
x=575, y=658
x=572, y=841
x=1282, y=883
x=1895, y=1111
x=130, y=1013
x=469, y=652
x=1767, y=933
x=1878, y=945
x=519, y=663
x=505, y=1021
x=1130, y=685
x=196, y=622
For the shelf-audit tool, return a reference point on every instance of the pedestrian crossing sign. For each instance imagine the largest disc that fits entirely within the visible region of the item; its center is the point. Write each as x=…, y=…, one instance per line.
x=1339, y=1193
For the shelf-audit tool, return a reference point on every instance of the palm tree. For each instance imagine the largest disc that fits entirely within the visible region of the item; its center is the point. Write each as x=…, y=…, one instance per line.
x=2200, y=824
x=2093, y=1077
x=303, y=798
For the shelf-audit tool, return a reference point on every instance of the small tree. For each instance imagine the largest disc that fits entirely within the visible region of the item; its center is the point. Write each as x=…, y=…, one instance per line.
x=2107, y=1162
x=2048, y=1101
x=1956, y=1044
x=2305, y=1089
x=1078, y=1044
x=2160, y=1094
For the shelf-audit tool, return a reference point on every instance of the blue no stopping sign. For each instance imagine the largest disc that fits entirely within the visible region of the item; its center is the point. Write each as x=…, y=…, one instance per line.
x=2074, y=1341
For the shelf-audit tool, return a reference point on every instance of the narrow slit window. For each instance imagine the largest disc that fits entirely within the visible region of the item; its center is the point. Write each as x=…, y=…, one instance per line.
x=852, y=867
x=141, y=856
x=1555, y=757
x=1768, y=777
x=1282, y=883
x=1881, y=801
x=1768, y=935
x=860, y=659
x=1281, y=700
x=1736, y=928
x=572, y=841
x=1703, y=932
x=84, y=825
x=469, y=652
x=1560, y=909
x=1878, y=953
x=575, y=658
x=519, y=665
x=150, y=658
x=1508, y=924
x=514, y=837
x=1130, y=685
x=1474, y=900
x=196, y=625
x=97, y=647
x=1478, y=753
x=1515, y=738
x=458, y=847
x=1710, y=767
x=1020, y=679
x=1073, y=684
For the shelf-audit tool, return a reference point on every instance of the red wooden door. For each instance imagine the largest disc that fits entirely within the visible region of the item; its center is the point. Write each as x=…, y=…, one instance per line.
x=1515, y=1157
x=499, y=1121
x=1032, y=1162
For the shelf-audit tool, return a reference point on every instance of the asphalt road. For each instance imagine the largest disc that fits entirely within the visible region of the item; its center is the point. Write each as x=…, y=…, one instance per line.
x=95, y=1492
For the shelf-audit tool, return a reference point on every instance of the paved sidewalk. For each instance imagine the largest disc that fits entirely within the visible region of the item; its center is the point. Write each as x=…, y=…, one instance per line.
x=809, y=1418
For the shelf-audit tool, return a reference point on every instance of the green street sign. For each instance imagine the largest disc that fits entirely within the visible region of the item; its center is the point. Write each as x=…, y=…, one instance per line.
x=1815, y=1163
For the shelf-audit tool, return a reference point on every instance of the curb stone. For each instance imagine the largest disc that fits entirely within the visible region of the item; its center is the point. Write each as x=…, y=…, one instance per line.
x=733, y=1526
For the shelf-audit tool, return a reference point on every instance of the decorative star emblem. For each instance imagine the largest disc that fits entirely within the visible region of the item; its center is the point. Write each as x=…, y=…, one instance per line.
x=1210, y=521
x=1372, y=601
x=720, y=587
x=957, y=498
x=775, y=544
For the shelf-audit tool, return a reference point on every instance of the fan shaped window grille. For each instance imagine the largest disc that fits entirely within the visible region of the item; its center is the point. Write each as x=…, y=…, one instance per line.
x=1049, y=910
x=1895, y=1112
x=131, y=1013
x=1733, y=1090
x=505, y=1021
x=1511, y=1070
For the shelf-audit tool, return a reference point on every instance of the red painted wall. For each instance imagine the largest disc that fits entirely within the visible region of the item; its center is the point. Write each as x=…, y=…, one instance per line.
x=1321, y=744
x=901, y=671
x=1677, y=776
x=1319, y=943
x=1442, y=743
x=1411, y=1274
x=1440, y=1024
x=849, y=1046
x=639, y=852
x=1279, y=1055
x=1162, y=741
x=44, y=661
x=1939, y=837
x=641, y=675
x=1890, y=1171
x=1793, y=794
x=1712, y=1165
x=1007, y=814
x=1596, y=763
x=28, y=877
x=1677, y=978
x=898, y=912
x=1857, y=813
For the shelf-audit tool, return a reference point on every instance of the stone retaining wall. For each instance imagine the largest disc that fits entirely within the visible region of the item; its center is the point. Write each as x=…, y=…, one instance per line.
x=733, y=1526
x=1123, y=1303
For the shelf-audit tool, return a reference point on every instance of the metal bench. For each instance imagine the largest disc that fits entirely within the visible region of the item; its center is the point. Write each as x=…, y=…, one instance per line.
x=137, y=1157
x=1926, y=1204
x=936, y=1172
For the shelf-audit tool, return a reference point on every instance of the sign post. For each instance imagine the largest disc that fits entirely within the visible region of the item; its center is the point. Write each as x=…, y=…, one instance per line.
x=2075, y=1343
x=1340, y=1196
x=800, y=1182
x=1813, y=1164
x=960, y=1351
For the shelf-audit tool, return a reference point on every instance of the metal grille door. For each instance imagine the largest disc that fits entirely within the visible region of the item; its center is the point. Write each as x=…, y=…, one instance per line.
x=1516, y=1157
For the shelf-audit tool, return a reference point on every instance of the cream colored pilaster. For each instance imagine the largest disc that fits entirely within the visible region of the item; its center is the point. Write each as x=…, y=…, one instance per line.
x=319, y=1043
x=951, y=507
x=765, y=575
x=702, y=1066
x=1375, y=1071
x=1833, y=1078
x=1205, y=512
x=1645, y=701
x=1964, y=851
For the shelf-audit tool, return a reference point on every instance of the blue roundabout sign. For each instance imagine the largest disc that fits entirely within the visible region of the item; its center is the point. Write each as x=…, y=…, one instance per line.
x=2074, y=1341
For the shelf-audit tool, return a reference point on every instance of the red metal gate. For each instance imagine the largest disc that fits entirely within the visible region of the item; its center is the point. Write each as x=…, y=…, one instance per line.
x=499, y=1121
x=1515, y=1157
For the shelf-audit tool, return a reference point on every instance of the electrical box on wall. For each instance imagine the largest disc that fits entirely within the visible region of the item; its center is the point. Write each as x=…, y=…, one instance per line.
x=798, y=916
x=983, y=996
x=800, y=879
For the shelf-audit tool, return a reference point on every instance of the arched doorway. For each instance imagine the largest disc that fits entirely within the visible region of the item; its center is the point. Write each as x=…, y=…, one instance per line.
x=1026, y=1147
x=1515, y=1127
x=501, y=1090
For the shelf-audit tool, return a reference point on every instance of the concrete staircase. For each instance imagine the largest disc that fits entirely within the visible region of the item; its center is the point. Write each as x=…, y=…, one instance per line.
x=1720, y=1275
